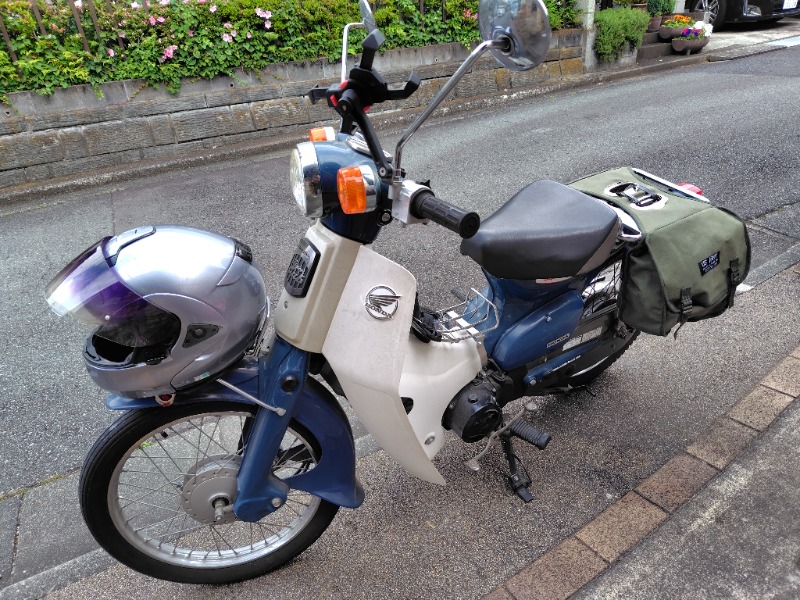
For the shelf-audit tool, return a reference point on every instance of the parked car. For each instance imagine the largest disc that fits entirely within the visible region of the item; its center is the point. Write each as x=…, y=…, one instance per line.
x=739, y=11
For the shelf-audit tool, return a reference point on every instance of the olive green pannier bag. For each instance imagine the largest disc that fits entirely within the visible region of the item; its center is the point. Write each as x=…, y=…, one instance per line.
x=691, y=256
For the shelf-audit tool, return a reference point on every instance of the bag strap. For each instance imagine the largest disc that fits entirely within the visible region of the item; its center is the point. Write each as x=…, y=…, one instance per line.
x=686, y=309
x=734, y=279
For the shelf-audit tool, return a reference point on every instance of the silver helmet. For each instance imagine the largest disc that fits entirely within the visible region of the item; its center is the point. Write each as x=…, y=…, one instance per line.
x=172, y=307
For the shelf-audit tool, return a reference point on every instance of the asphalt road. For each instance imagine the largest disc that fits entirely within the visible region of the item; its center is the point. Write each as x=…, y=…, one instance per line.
x=731, y=128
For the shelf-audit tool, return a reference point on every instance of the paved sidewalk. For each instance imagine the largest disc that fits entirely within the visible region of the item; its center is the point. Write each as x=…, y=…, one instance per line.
x=705, y=523
x=720, y=520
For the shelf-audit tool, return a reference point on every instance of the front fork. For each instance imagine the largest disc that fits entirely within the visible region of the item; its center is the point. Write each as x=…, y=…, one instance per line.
x=280, y=375
x=286, y=389
x=281, y=383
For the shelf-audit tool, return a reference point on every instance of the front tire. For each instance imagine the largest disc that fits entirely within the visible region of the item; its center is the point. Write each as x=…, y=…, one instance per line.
x=150, y=485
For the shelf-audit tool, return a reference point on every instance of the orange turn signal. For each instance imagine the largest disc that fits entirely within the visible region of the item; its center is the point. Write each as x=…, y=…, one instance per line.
x=321, y=134
x=352, y=190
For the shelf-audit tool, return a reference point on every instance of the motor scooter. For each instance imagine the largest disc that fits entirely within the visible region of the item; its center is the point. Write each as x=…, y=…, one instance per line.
x=233, y=454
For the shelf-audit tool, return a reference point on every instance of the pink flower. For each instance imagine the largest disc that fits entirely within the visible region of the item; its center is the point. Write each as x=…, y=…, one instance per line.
x=227, y=25
x=249, y=35
x=160, y=19
x=267, y=24
x=213, y=8
x=110, y=52
x=226, y=38
x=201, y=1
x=169, y=52
x=136, y=5
x=152, y=20
x=164, y=2
x=264, y=14
x=233, y=33
x=191, y=33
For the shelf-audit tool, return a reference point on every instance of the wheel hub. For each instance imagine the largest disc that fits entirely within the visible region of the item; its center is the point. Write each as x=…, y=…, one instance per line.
x=210, y=485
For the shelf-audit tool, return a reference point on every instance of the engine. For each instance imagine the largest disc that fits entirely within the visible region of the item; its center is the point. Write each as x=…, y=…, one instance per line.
x=473, y=413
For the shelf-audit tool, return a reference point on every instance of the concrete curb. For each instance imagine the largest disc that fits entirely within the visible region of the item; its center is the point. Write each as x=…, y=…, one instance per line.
x=565, y=569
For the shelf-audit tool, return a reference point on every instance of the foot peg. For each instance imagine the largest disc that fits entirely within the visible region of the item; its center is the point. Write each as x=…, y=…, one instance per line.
x=518, y=476
x=531, y=434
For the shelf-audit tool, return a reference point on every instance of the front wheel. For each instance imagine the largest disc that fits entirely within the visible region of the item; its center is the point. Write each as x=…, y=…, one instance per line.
x=154, y=489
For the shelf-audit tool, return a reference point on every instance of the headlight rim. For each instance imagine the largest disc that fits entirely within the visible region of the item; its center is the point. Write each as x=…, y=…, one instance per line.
x=305, y=163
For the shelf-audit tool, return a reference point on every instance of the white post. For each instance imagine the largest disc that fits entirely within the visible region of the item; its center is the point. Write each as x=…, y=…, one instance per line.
x=586, y=8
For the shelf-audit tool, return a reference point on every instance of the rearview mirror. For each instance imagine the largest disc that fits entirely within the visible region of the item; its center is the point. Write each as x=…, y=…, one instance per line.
x=523, y=26
x=366, y=16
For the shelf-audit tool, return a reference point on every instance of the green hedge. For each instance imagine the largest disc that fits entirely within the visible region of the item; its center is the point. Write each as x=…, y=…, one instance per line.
x=171, y=39
x=617, y=30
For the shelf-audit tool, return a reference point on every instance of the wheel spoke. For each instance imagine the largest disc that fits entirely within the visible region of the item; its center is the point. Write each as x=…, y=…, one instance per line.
x=155, y=483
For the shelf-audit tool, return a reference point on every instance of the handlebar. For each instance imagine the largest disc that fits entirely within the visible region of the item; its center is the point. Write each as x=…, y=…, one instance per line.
x=425, y=205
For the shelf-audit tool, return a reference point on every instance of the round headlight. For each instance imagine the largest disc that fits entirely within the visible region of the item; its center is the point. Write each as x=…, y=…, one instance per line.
x=305, y=179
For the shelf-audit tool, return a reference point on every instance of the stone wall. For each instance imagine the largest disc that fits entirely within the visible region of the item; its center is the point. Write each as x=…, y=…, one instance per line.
x=74, y=131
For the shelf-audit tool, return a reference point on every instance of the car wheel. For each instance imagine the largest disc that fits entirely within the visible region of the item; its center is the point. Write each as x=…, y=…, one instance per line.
x=717, y=10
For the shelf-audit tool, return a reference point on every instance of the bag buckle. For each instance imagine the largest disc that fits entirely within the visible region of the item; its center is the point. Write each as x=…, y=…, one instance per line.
x=638, y=195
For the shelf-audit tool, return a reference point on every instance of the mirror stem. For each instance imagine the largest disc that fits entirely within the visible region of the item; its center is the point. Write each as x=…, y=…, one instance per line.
x=344, y=48
x=500, y=43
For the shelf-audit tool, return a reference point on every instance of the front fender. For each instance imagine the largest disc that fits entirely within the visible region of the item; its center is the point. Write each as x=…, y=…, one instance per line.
x=316, y=409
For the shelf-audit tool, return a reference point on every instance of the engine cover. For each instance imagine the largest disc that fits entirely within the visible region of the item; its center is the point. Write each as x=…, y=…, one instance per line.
x=474, y=413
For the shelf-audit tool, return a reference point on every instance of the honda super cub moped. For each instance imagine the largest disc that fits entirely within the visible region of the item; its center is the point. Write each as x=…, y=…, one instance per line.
x=233, y=453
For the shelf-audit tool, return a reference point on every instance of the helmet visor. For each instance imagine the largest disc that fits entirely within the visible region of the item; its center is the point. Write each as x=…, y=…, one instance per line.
x=89, y=289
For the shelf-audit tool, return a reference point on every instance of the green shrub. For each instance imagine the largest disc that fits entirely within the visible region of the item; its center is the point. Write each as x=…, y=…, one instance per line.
x=563, y=14
x=657, y=8
x=173, y=39
x=617, y=30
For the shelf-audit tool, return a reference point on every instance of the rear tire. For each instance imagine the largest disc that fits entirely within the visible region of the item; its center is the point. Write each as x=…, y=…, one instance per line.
x=600, y=296
x=149, y=483
x=586, y=376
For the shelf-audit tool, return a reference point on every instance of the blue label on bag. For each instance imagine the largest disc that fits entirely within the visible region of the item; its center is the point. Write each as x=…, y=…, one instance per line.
x=709, y=263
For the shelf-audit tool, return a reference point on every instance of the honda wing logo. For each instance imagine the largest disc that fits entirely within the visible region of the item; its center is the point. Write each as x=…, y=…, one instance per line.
x=381, y=302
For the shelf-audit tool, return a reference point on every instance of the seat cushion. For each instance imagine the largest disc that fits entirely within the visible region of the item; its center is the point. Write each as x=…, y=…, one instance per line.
x=546, y=230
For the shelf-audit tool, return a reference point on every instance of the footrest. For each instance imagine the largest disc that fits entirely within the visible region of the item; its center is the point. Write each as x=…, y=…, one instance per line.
x=531, y=434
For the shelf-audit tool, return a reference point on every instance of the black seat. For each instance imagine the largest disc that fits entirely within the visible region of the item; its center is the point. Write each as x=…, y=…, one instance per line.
x=546, y=230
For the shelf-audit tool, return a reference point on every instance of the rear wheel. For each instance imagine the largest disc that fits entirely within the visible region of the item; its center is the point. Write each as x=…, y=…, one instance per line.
x=586, y=376
x=601, y=297
x=155, y=487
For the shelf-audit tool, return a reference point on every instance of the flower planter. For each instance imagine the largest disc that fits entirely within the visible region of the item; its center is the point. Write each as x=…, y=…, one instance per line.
x=667, y=33
x=655, y=24
x=689, y=45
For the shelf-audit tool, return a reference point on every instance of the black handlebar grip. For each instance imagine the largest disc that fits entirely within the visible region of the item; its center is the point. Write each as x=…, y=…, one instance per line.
x=427, y=206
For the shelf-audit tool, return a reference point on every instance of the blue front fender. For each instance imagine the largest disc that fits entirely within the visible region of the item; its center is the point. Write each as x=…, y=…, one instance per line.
x=315, y=408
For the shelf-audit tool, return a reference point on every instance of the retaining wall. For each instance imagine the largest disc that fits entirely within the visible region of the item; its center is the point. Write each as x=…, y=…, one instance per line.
x=74, y=131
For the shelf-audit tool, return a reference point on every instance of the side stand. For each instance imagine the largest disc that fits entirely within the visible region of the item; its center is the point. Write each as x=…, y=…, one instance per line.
x=518, y=478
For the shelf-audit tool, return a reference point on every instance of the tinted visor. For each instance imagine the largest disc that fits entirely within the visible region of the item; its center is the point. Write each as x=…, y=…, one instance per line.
x=89, y=289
